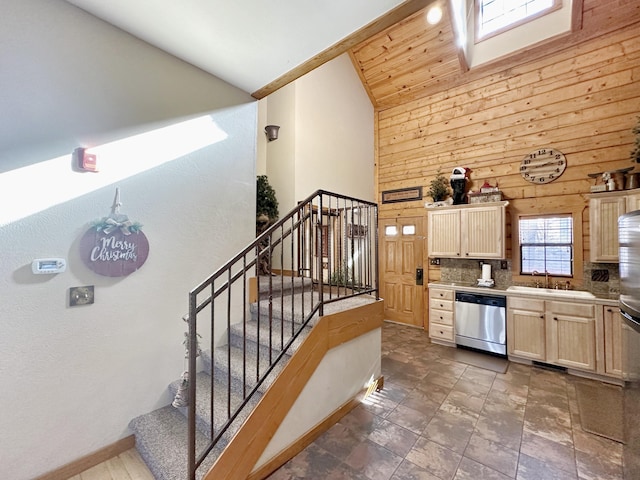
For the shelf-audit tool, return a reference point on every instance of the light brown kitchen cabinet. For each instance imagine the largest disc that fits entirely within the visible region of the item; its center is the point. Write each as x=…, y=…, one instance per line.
x=467, y=231
x=571, y=334
x=526, y=328
x=612, y=329
x=604, y=210
x=441, y=326
x=443, y=236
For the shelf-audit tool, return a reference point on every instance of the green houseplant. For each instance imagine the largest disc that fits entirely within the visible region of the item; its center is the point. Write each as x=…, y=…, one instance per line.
x=266, y=201
x=439, y=187
x=266, y=215
x=635, y=153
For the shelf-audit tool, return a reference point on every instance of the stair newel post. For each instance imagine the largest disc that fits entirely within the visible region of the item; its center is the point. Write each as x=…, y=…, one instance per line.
x=244, y=324
x=376, y=257
x=228, y=350
x=270, y=301
x=294, y=269
x=354, y=245
x=319, y=256
x=191, y=424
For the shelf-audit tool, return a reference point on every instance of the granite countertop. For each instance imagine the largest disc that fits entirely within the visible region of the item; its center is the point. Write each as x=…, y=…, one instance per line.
x=604, y=298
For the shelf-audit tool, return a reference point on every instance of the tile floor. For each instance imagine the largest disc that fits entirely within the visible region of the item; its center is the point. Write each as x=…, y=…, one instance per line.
x=437, y=419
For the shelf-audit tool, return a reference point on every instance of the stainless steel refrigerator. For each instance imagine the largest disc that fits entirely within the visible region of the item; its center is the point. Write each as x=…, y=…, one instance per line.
x=629, y=237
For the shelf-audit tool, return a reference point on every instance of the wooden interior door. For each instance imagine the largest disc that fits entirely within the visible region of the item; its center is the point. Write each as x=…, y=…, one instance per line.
x=401, y=242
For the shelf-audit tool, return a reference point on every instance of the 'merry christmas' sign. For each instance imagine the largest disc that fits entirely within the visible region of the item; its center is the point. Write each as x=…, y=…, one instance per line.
x=114, y=246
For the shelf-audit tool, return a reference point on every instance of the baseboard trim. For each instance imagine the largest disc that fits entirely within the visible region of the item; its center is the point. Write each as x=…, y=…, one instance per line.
x=308, y=438
x=91, y=460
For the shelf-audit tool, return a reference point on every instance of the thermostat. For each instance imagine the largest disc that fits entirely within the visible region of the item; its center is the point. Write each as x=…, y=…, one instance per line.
x=48, y=265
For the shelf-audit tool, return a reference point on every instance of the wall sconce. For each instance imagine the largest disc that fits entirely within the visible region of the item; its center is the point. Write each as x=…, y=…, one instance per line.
x=272, y=132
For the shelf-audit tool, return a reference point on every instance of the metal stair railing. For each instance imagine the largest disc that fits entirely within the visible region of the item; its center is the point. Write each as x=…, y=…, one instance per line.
x=325, y=249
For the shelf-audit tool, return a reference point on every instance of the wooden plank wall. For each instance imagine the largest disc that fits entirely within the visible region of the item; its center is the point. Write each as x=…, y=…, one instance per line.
x=583, y=100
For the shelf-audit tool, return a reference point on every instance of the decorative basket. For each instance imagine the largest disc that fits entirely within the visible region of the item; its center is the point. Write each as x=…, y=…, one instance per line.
x=478, y=197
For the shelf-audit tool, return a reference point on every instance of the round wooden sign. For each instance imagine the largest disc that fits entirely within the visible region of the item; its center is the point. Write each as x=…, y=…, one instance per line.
x=114, y=252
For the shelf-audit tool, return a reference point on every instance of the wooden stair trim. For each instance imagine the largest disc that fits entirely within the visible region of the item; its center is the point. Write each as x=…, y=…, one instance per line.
x=240, y=456
x=91, y=460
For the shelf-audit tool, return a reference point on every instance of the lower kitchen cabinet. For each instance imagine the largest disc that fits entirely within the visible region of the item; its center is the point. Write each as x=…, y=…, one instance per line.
x=571, y=339
x=555, y=332
x=441, y=326
x=526, y=329
x=610, y=342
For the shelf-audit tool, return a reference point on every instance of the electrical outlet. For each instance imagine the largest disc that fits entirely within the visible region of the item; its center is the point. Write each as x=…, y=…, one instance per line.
x=503, y=265
x=434, y=261
x=81, y=296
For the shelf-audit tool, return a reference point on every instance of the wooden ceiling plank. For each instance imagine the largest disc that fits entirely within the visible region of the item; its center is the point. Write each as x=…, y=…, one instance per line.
x=597, y=18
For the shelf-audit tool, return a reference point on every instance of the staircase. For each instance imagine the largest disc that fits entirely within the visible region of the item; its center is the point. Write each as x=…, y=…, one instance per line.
x=161, y=435
x=252, y=325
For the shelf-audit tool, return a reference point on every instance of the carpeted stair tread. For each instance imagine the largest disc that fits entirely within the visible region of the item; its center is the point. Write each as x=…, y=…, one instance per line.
x=161, y=440
x=281, y=333
x=203, y=403
x=283, y=285
x=221, y=364
x=290, y=308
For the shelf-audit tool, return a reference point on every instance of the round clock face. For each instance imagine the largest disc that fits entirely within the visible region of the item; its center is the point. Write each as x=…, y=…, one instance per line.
x=543, y=165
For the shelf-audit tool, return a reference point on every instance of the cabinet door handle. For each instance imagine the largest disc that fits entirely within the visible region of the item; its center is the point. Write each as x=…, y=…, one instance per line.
x=609, y=310
x=541, y=316
x=555, y=318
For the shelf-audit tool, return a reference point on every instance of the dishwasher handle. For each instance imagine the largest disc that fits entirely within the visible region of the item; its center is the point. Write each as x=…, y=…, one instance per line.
x=479, y=299
x=466, y=297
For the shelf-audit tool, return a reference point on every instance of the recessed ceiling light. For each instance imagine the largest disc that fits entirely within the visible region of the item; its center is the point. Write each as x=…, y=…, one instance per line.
x=434, y=15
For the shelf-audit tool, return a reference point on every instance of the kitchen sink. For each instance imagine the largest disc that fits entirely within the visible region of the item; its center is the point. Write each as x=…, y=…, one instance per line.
x=552, y=292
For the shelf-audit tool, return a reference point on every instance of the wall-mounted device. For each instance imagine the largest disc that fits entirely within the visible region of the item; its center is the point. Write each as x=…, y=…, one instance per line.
x=85, y=161
x=48, y=265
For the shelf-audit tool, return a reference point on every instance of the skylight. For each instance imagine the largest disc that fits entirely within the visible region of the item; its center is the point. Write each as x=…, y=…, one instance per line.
x=494, y=16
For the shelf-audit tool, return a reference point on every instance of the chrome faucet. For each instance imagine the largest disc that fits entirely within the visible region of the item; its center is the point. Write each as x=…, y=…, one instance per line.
x=533, y=274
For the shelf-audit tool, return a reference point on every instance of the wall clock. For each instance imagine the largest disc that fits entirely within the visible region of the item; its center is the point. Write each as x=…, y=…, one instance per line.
x=543, y=165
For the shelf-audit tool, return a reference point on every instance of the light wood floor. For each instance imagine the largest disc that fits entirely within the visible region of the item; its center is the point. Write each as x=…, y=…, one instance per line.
x=126, y=466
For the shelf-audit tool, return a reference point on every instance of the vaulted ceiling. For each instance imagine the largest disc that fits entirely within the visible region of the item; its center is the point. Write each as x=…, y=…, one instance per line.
x=407, y=58
x=255, y=45
x=261, y=46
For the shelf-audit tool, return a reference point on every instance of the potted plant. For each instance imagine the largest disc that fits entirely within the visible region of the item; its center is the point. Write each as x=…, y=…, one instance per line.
x=635, y=153
x=266, y=204
x=439, y=187
x=266, y=215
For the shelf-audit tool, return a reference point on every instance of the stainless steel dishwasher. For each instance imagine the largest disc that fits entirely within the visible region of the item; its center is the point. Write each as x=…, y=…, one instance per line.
x=481, y=322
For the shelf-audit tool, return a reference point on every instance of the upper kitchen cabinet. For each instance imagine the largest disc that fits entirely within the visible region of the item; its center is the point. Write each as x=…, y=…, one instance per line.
x=604, y=210
x=467, y=231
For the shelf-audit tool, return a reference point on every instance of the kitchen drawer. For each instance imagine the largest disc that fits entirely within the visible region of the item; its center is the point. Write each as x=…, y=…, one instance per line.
x=441, y=317
x=441, y=332
x=526, y=303
x=573, y=309
x=441, y=294
x=439, y=304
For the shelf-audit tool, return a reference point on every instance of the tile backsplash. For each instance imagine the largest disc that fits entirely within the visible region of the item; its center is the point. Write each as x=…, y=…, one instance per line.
x=598, y=278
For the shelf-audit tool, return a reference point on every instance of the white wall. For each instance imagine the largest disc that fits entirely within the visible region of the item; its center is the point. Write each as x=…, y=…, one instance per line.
x=281, y=153
x=359, y=363
x=334, y=132
x=73, y=377
x=328, y=143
